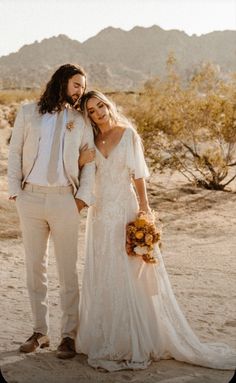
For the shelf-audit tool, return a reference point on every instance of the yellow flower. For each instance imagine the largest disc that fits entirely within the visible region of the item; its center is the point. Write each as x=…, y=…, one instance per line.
x=139, y=234
x=140, y=222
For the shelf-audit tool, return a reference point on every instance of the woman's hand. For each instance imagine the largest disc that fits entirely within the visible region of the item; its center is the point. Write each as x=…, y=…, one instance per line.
x=86, y=156
x=146, y=208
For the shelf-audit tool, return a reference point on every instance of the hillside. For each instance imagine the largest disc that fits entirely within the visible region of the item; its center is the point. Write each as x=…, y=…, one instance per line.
x=118, y=59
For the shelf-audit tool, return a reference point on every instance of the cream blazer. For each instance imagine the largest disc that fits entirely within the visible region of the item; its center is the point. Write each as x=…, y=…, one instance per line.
x=24, y=147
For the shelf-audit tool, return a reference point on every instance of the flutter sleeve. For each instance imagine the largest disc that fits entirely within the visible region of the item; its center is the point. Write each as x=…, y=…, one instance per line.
x=135, y=156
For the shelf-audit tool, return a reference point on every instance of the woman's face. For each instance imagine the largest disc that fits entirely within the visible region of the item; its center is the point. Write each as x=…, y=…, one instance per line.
x=98, y=112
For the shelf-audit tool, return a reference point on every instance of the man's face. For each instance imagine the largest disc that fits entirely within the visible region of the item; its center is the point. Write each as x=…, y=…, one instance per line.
x=75, y=88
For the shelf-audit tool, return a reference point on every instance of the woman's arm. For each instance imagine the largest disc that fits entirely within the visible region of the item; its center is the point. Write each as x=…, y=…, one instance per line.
x=140, y=186
x=86, y=156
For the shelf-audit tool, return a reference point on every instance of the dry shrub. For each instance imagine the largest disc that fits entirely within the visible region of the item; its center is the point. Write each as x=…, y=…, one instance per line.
x=190, y=127
x=10, y=96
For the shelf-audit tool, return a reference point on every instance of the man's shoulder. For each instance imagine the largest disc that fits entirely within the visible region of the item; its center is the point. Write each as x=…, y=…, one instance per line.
x=29, y=107
x=77, y=116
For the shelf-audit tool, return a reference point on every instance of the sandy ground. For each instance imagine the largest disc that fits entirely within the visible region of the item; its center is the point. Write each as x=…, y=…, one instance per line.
x=199, y=248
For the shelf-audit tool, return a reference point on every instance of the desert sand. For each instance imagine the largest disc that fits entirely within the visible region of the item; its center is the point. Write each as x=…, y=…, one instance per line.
x=199, y=248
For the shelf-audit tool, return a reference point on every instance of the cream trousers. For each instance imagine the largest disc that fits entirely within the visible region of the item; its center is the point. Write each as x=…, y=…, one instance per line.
x=46, y=211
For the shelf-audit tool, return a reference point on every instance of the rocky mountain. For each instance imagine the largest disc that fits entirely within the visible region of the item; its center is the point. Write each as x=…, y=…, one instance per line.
x=118, y=59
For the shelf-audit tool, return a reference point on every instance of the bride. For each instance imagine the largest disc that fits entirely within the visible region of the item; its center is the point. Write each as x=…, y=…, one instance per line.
x=128, y=318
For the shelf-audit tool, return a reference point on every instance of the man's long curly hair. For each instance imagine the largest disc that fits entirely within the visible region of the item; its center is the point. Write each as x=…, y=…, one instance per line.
x=55, y=93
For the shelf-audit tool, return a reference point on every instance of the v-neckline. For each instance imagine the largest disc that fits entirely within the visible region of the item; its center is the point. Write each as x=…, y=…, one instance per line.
x=113, y=149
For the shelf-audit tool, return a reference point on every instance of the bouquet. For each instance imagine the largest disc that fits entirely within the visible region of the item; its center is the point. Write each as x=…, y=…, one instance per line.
x=141, y=235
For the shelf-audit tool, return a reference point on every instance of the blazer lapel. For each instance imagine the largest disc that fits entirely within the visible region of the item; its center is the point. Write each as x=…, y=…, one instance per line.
x=35, y=122
x=70, y=136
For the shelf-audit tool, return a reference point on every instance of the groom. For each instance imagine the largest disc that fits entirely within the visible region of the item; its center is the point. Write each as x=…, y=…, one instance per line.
x=44, y=181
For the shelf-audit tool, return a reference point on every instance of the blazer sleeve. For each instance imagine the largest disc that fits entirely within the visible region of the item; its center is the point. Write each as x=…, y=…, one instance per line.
x=15, y=154
x=87, y=174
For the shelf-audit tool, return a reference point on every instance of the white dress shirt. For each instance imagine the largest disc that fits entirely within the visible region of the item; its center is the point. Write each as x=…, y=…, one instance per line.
x=38, y=174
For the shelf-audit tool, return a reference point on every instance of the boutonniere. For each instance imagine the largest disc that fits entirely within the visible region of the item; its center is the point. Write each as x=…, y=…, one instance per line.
x=70, y=125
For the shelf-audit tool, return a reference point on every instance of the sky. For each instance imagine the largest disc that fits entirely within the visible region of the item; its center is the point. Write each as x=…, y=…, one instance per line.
x=25, y=21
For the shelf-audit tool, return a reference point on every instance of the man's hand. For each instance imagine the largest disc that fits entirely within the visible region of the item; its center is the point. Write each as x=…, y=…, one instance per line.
x=80, y=204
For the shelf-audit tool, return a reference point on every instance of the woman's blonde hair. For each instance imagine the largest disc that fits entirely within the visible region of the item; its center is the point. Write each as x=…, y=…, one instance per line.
x=116, y=117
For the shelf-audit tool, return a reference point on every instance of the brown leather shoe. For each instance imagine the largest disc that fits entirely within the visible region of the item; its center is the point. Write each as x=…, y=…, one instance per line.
x=36, y=340
x=66, y=348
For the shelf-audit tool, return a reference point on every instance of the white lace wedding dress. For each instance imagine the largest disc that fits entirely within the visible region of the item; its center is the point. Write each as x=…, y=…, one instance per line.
x=127, y=319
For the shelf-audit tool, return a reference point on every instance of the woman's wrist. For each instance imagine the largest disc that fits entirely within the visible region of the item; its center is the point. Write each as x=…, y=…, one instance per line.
x=144, y=205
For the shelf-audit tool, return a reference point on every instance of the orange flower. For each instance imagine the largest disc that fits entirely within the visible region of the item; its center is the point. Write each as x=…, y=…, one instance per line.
x=139, y=234
x=149, y=258
x=70, y=125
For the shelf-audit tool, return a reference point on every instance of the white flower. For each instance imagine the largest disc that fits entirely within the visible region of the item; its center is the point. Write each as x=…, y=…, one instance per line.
x=141, y=250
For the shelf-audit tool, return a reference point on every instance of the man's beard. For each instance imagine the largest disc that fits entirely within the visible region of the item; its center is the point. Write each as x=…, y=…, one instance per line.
x=71, y=101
